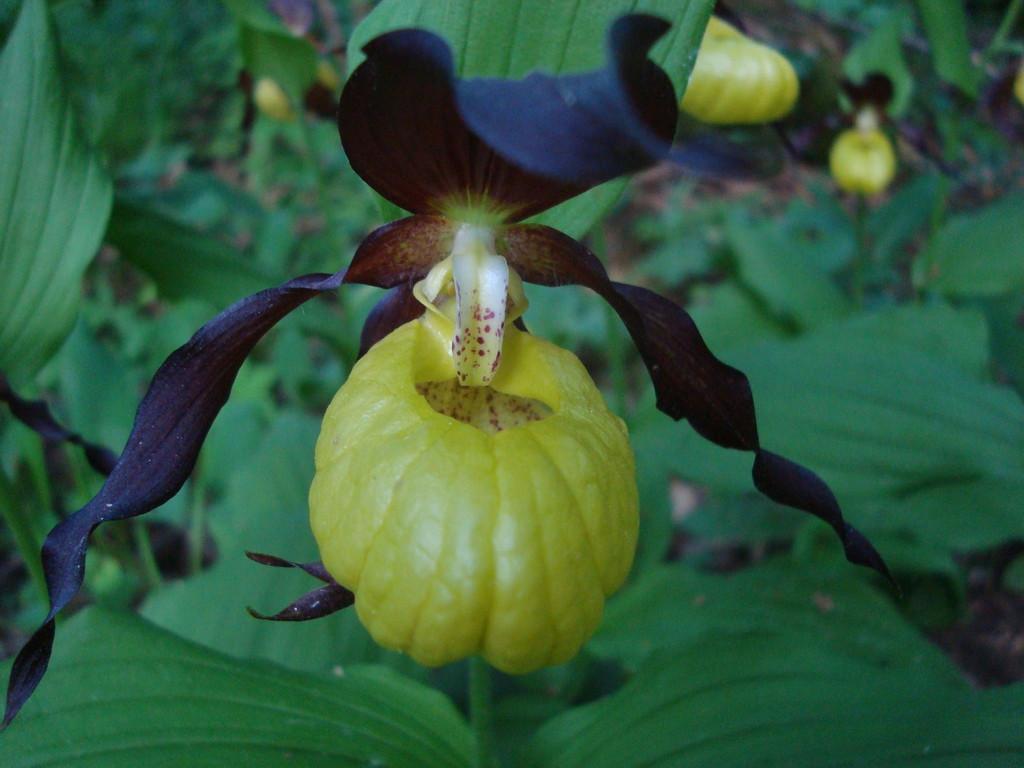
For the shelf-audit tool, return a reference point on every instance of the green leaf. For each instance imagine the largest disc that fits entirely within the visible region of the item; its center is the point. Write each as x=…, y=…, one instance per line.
x=54, y=198
x=183, y=262
x=271, y=50
x=121, y=692
x=725, y=702
x=882, y=51
x=945, y=23
x=880, y=416
x=675, y=606
x=977, y=253
x=794, y=290
x=904, y=216
x=509, y=38
x=895, y=417
x=958, y=336
x=265, y=509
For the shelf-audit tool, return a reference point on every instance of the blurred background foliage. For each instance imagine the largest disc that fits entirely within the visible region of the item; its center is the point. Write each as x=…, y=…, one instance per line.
x=884, y=343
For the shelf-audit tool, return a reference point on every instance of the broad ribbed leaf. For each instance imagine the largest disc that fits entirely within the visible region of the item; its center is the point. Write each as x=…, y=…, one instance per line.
x=946, y=27
x=977, y=253
x=671, y=607
x=183, y=262
x=895, y=416
x=509, y=38
x=779, y=701
x=54, y=198
x=124, y=693
x=270, y=49
x=792, y=288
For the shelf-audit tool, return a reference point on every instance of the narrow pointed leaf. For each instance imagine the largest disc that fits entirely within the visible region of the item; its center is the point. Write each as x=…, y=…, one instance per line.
x=184, y=398
x=35, y=414
x=54, y=198
x=690, y=382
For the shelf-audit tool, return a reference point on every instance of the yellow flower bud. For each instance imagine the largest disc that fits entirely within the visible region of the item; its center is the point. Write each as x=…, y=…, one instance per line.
x=487, y=520
x=272, y=101
x=1018, y=84
x=327, y=75
x=862, y=161
x=736, y=80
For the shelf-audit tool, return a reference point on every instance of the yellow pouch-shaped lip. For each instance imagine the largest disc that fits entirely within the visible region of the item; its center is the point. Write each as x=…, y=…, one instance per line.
x=457, y=540
x=737, y=81
x=862, y=161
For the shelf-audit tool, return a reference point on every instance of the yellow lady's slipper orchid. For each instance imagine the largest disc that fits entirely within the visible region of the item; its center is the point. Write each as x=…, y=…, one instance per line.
x=1018, y=84
x=471, y=485
x=327, y=75
x=272, y=101
x=489, y=519
x=736, y=80
x=862, y=160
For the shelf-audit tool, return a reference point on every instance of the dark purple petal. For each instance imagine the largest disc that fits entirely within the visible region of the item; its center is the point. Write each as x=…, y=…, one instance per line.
x=585, y=128
x=875, y=90
x=315, y=569
x=593, y=127
x=185, y=396
x=322, y=601
x=404, y=136
x=690, y=382
x=402, y=251
x=35, y=415
x=786, y=482
x=397, y=308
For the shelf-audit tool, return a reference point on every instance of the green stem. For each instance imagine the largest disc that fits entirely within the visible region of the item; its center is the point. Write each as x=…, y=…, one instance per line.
x=196, y=528
x=863, y=254
x=481, y=712
x=1005, y=27
x=144, y=546
x=25, y=538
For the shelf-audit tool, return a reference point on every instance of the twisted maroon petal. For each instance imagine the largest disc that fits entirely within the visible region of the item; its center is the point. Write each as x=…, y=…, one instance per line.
x=35, y=414
x=690, y=382
x=172, y=421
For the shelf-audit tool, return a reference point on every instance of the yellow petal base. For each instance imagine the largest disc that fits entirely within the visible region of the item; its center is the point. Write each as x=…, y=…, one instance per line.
x=862, y=161
x=737, y=81
x=457, y=540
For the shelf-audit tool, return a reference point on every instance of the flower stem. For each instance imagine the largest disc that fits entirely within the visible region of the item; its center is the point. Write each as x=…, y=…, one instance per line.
x=25, y=537
x=862, y=255
x=196, y=528
x=481, y=712
x=144, y=546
